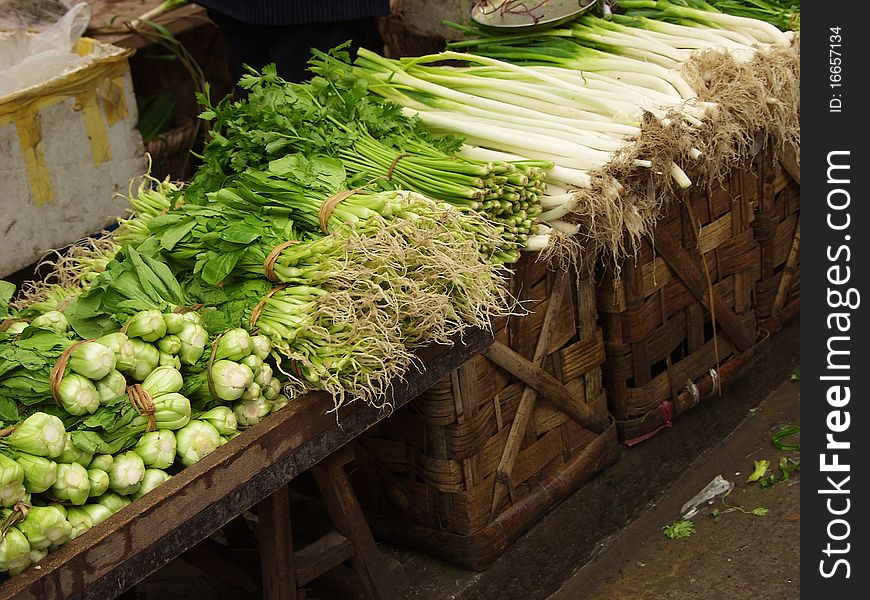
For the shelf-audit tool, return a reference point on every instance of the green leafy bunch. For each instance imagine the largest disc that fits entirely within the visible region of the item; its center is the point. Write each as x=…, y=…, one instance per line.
x=325, y=115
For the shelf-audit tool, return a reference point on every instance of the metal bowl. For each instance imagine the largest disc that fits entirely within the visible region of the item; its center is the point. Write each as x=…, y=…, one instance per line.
x=508, y=16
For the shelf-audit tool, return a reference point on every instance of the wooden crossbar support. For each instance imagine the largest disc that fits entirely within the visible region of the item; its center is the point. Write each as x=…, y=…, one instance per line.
x=546, y=385
x=789, y=271
x=691, y=274
x=529, y=396
x=285, y=572
x=278, y=568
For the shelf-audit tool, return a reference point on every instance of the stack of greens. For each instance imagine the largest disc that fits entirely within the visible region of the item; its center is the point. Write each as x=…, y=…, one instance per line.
x=92, y=424
x=335, y=115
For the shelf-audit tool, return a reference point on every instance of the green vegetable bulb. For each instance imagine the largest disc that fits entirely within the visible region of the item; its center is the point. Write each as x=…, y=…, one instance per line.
x=92, y=360
x=78, y=395
x=11, y=482
x=72, y=454
x=39, y=472
x=126, y=473
x=111, y=386
x=53, y=320
x=44, y=527
x=152, y=479
x=148, y=325
x=196, y=440
x=99, y=482
x=39, y=434
x=14, y=552
x=157, y=449
x=72, y=484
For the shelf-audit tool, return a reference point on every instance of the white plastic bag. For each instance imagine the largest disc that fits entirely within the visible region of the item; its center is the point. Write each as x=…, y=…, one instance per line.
x=29, y=59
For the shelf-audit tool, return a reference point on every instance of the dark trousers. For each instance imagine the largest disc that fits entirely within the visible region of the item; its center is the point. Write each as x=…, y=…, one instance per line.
x=288, y=46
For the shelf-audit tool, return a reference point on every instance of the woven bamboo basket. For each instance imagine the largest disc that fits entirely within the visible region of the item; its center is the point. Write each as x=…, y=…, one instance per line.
x=665, y=349
x=777, y=229
x=472, y=463
x=170, y=151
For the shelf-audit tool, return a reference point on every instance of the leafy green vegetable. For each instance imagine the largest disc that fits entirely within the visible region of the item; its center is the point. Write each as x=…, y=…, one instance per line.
x=761, y=467
x=784, y=433
x=7, y=290
x=679, y=529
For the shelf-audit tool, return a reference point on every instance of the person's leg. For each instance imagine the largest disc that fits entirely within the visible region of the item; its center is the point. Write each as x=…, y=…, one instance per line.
x=289, y=47
x=245, y=44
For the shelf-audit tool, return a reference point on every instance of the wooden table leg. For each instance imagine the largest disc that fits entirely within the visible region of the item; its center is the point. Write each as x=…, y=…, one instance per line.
x=370, y=565
x=276, y=547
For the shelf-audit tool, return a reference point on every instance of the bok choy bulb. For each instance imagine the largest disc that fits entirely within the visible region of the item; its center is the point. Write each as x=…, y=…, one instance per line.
x=157, y=449
x=92, y=360
x=235, y=345
x=101, y=461
x=45, y=526
x=16, y=328
x=222, y=418
x=148, y=325
x=78, y=395
x=97, y=512
x=193, y=338
x=39, y=472
x=146, y=357
x=79, y=521
x=231, y=379
x=169, y=360
x=192, y=317
x=111, y=386
x=170, y=344
x=153, y=478
x=126, y=473
x=251, y=412
x=261, y=346
x=40, y=434
x=274, y=390
x=263, y=376
x=171, y=411
x=14, y=552
x=114, y=502
x=174, y=322
x=53, y=320
x=163, y=380
x=99, y=482
x=11, y=482
x=252, y=392
x=71, y=453
x=253, y=361
x=72, y=484
x=120, y=344
x=196, y=440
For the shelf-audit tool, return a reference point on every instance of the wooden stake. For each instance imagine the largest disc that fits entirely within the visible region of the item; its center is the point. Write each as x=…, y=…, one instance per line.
x=523, y=416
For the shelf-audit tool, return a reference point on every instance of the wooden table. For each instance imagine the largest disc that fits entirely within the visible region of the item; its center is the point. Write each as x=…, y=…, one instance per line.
x=163, y=524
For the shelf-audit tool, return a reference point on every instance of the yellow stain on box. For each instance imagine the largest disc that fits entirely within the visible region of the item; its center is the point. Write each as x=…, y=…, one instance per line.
x=101, y=80
x=30, y=138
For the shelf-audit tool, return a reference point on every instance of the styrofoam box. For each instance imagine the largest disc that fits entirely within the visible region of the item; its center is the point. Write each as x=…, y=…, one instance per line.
x=68, y=145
